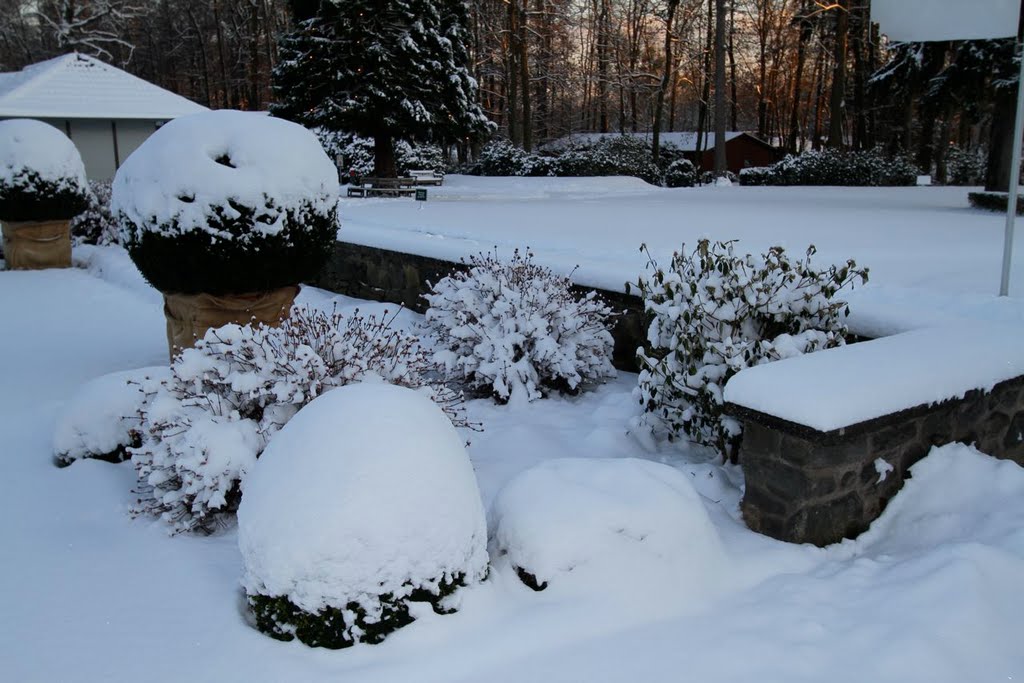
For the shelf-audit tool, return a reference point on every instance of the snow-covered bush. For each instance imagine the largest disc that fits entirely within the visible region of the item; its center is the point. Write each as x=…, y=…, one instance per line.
x=510, y=327
x=203, y=428
x=96, y=225
x=715, y=312
x=358, y=156
x=411, y=156
x=41, y=173
x=709, y=178
x=610, y=156
x=364, y=503
x=681, y=173
x=965, y=167
x=502, y=158
x=102, y=419
x=227, y=202
x=621, y=528
x=833, y=167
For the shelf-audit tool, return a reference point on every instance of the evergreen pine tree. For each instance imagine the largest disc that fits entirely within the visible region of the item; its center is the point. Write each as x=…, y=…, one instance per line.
x=386, y=69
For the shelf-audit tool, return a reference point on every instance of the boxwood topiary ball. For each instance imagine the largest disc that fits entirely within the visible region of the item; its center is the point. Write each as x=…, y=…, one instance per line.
x=41, y=173
x=227, y=202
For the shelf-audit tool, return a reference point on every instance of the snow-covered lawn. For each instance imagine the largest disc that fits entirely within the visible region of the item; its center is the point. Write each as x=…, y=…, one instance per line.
x=932, y=258
x=930, y=593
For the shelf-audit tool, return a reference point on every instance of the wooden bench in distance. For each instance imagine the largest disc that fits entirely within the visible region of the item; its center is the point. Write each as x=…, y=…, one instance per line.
x=383, y=187
x=828, y=438
x=427, y=177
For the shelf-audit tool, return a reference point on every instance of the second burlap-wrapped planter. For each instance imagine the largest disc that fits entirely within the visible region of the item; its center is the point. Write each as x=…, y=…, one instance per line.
x=190, y=316
x=34, y=245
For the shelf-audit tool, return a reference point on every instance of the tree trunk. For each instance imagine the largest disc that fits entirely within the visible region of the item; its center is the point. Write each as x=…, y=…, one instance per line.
x=733, y=112
x=720, y=160
x=666, y=80
x=801, y=56
x=524, y=78
x=705, y=94
x=835, y=123
x=512, y=75
x=384, y=156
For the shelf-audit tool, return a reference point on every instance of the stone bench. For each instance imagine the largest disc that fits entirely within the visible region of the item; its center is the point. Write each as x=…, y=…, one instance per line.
x=828, y=438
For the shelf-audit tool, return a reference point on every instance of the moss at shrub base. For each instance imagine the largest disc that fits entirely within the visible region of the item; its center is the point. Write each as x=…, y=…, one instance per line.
x=336, y=628
x=994, y=201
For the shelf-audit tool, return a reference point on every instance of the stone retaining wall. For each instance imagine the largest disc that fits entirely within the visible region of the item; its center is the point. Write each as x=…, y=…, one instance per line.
x=806, y=486
x=384, y=275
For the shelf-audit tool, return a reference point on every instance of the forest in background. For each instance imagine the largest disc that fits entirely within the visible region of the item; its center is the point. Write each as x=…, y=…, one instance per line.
x=800, y=73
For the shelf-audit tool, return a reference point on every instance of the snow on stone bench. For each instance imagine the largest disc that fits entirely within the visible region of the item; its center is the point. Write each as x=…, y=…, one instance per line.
x=829, y=437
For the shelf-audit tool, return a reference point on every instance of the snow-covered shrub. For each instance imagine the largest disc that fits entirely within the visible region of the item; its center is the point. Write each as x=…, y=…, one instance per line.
x=623, y=528
x=709, y=178
x=757, y=176
x=41, y=173
x=358, y=157
x=502, y=158
x=227, y=202
x=96, y=225
x=332, y=141
x=364, y=503
x=203, y=428
x=412, y=156
x=965, y=167
x=539, y=165
x=102, y=419
x=510, y=327
x=715, y=312
x=833, y=167
x=610, y=156
x=681, y=173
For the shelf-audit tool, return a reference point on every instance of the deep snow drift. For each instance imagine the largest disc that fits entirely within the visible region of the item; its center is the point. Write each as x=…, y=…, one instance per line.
x=930, y=593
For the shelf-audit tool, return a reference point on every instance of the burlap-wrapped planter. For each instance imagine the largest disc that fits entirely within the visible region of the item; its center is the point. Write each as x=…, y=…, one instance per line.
x=34, y=245
x=189, y=316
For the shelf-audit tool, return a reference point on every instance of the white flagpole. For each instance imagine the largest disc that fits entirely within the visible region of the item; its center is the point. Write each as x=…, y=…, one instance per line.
x=1011, y=199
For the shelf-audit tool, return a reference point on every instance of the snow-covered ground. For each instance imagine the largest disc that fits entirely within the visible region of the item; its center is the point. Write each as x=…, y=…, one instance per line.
x=930, y=593
x=932, y=258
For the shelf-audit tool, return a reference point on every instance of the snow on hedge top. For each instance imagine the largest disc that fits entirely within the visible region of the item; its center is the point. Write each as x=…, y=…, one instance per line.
x=366, y=491
x=839, y=387
x=28, y=146
x=626, y=528
x=201, y=164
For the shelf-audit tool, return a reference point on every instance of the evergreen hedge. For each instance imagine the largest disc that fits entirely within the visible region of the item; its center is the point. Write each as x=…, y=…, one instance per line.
x=832, y=167
x=250, y=261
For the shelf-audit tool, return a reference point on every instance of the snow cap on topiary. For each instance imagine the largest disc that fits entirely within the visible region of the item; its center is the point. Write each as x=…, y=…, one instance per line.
x=197, y=164
x=227, y=202
x=366, y=492
x=628, y=529
x=41, y=173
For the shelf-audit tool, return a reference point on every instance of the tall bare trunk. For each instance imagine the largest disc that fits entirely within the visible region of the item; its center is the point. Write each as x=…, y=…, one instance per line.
x=801, y=56
x=720, y=160
x=666, y=80
x=705, y=91
x=838, y=97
